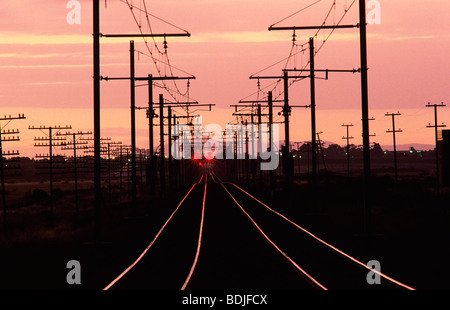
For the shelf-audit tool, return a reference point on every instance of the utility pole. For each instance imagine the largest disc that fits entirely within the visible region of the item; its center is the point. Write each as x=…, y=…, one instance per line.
x=2, y=154
x=436, y=126
x=297, y=144
x=319, y=142
x=393, y=131
x=75, y=145
x=364, y=101
x=109, y=145
x=162, y=172
x=120, y=173
x=287, y=141
x=247, y=166
x=313, y=109
x=169, y=132
x=150, y=112
x=151, y=167
x=271, y=172
x=312, y=70
x=286, y=111
x=50, y=141
x=260, y=142
x=348, y=137
x=96, y=87
x=133, y=129
x=365, y=115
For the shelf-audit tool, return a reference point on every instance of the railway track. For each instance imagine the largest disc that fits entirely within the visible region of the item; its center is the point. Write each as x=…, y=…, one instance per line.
x=221, y=237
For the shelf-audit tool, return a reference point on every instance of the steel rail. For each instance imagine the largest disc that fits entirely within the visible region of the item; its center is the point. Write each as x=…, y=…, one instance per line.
x=322, y=241
x=309, y=278
x=153, y=241
x=199, y=244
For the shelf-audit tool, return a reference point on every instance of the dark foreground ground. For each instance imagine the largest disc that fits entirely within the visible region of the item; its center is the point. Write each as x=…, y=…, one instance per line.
x=409, y=230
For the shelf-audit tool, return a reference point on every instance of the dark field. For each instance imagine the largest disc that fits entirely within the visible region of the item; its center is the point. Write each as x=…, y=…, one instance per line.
x=409, y=223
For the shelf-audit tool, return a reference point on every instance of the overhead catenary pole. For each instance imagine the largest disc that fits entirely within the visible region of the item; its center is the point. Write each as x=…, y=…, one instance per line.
x=162, y=173
x=271, y=172
x=97, y=78
x=286, y=110
x=133, y=128
x=246, y=152
x=97, y=146
x=169, y=132
x=367, y=222
x=313, y=111
x=393, y=131
x=259, y=142
x=151, y=167
x=120, y=174
x=365, y=115
x=436, y=136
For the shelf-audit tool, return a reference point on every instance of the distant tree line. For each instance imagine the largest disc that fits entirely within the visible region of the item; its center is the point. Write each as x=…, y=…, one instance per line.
x=356, y=151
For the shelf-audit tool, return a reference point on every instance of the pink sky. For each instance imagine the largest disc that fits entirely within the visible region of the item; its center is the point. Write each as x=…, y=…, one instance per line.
x=46, y=64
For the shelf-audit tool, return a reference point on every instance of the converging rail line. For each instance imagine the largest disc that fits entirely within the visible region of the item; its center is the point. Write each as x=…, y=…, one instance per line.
x=159, y=233
x=308, y=277
x=214, y=247
x=308, y=233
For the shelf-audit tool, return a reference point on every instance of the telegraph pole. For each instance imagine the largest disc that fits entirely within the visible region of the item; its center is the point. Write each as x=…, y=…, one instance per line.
x=319, y=142
x=393, y=131
x=436, y=126
x=348, y=137
x=75, y=145
x=298, y=157
x=109, y=144
x=2, y=154
x=52, y=142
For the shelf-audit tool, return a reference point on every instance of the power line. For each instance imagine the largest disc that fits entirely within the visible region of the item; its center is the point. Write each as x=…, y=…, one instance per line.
x=172, y=92
x=302, y=50
x=301, y=10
